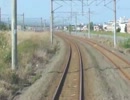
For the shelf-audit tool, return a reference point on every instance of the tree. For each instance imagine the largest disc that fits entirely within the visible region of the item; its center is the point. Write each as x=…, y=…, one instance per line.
x=91, y=25
x=3, y=27
x=118, y=30
x=70, y=28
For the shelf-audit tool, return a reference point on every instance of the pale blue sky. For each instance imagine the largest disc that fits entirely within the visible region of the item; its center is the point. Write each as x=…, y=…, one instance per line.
x=41, y=8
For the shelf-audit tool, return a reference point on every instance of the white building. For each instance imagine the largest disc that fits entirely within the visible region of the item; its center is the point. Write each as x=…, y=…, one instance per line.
x=123, y=28
x=121, y=23
x=84, y=28
x=19, y=27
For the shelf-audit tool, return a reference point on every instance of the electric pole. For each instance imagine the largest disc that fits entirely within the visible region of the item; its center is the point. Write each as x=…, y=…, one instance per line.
x=0, y=15
x=23, y=23
x=41, y=23
x=82, y=7
x=63, y=24
x=51, y=22
x=14, y=34
x=115, y=39
x=8, y=23
x=44, y=25
x=71, y=17
x=89, y=23
x=76, y=23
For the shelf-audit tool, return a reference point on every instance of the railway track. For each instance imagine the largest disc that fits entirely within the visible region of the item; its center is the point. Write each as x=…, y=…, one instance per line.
x=70, y=86
x=120, y=63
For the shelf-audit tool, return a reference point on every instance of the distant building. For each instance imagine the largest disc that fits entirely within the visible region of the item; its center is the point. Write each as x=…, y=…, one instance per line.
x=84, y=28
x=122, y=23
x=128, y=26
x=19, y=27
x=98, y=27
x=29, y=28
x=108, y=26
x=122, y=27
x=65, y=28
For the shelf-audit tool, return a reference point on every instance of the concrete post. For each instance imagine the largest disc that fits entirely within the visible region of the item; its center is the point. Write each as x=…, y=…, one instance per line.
x=115, y=38
x=14, y=34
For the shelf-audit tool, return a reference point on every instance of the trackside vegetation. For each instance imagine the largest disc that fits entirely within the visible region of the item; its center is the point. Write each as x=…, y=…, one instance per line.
x=125, y=43
x=33, y=52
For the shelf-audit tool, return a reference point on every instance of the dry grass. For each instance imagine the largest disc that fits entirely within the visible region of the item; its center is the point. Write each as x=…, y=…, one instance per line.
x=33, y=49
x=33, y=35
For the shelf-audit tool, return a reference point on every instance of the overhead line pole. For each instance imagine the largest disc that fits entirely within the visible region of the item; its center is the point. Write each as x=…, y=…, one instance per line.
x=23, y=23
x=41, y=23
x=115, y=38
x=0, y=15
x=71, y=17
x=8, y=23
x=76, y=23
x=82, y=7
x=44, y=24
x=51, y=22
x=89, y=23
x=14, y=34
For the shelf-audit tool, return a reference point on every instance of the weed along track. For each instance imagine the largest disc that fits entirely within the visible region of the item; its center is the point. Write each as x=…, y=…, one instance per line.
x=70, y=86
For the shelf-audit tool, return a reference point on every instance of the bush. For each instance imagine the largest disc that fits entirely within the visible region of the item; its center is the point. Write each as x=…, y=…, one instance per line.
x=7, y=57
x=126, y=43
x=70, y=28
x=3, y=27
x=5, y=50
x=118, y=30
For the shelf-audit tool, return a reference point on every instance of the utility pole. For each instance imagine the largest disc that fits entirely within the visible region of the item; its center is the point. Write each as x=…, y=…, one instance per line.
x=44, y=25
x=51, y=22
x=14, y=34
x=71, y=10
x=82, y=7
x=71, y=17
x=89, y=23
x=23, y=23
x=0, y=15
x=63, y=24
x=76, y=23
x=41, y=23
x=115, y=39
x=8, y=23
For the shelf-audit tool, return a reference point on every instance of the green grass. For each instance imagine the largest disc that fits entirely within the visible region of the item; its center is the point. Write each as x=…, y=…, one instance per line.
x=25, y=51
x=125, y=43
x=4, y=52
x=126, y=35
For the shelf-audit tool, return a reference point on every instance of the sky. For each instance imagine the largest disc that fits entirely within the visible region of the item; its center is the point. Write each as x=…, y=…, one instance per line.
x=41, y=8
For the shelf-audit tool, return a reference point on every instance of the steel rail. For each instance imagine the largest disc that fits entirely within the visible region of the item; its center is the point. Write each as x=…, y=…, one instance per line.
x=122, y=71
x=111, y=52
x=81, y=95
x=93, y=43
x=61, y=82
x=81, y=87
x=86, y=40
